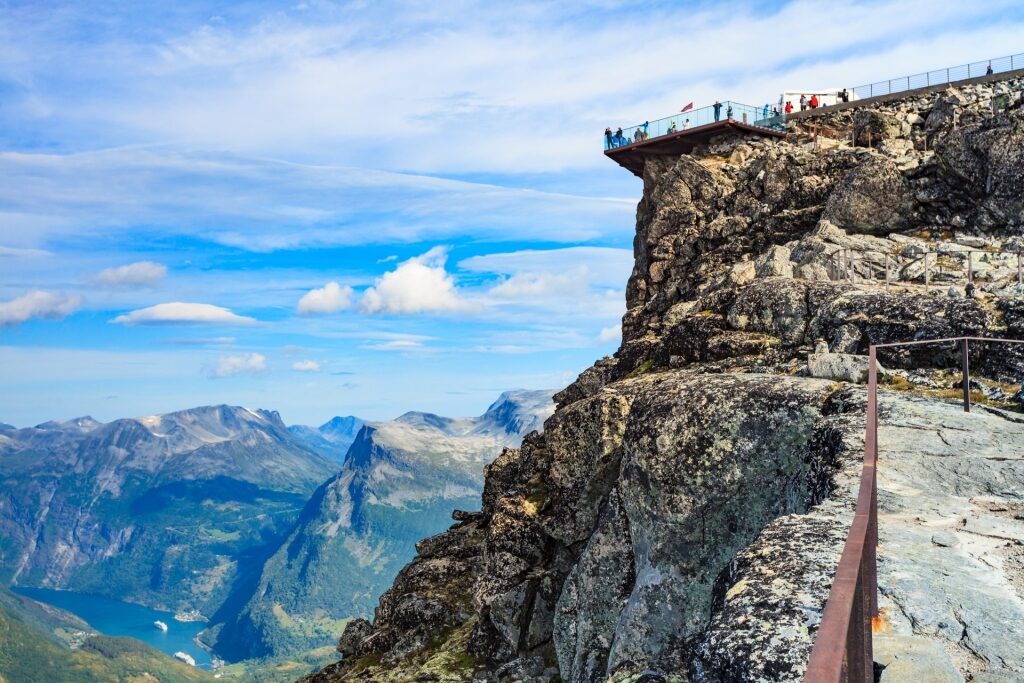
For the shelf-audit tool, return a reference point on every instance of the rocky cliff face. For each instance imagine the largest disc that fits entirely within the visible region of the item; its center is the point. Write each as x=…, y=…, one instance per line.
x=681, y=516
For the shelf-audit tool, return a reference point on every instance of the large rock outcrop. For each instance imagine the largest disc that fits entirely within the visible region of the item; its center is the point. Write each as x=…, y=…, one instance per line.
x=681, y=515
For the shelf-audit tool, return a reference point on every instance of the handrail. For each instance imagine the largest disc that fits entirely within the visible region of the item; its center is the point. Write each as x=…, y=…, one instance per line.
x=939, y=76
x=765, y=117
x=844, y=260
x=677, y=123
x=842, y=650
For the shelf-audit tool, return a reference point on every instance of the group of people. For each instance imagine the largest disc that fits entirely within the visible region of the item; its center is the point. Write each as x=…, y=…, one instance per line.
x=813, y=102
x=618, y=139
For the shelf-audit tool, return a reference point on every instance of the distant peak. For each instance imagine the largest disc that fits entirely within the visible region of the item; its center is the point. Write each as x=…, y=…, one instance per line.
x=86, y=423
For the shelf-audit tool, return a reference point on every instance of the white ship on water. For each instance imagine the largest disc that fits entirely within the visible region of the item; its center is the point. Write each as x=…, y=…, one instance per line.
x=160, y=625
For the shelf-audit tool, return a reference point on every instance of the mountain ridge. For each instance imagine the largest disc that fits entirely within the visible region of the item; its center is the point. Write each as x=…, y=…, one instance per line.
x=400, y=481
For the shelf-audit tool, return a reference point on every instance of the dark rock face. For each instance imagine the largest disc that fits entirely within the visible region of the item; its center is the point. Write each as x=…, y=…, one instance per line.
x=873, y=198
x=682, y=513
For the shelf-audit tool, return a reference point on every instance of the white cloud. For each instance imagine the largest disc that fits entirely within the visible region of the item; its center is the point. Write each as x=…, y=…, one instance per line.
x=306, y=366
x=38, y=304
x=610, y=334
x=418, y=285
x=140, y=273
x=180, y=312
x=534, y=285
x=330, y=298
x=239, y=364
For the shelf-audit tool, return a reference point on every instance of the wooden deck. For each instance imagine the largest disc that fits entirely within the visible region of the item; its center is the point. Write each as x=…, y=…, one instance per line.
x=632, y=156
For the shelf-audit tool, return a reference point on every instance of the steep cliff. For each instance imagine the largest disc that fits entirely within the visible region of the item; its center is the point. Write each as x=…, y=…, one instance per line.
x=681, y=516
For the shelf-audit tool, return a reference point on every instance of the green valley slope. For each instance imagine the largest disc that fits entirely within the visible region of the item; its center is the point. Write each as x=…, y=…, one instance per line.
x=34, y=648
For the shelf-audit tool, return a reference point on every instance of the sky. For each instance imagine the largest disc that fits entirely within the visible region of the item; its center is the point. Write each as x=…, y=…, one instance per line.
x=365, y=208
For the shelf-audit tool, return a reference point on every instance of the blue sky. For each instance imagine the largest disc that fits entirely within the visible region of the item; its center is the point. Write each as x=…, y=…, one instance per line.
x=364, y=208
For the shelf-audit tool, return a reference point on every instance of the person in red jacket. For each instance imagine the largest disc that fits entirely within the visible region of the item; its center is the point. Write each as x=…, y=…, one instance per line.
x=814, y=102
x=789, y=108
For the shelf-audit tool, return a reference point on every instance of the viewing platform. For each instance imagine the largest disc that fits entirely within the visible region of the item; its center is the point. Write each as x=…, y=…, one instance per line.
x=680, y=133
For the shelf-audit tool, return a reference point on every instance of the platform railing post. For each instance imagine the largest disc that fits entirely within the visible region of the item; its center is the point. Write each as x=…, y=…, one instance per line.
x=888, y=278
x=970, y=267
x=1020, y=271
x=927, y=269
x=965, y=362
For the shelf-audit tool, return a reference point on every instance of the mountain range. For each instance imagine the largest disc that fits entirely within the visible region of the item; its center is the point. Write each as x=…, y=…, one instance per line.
x=400, y=483
x=227, y=512
x=165, y=510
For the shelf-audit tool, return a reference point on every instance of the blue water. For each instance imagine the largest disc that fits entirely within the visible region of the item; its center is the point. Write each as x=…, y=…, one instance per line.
x=116, y=618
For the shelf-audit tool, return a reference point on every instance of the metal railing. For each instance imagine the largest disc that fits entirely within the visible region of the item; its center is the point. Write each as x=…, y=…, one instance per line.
x=842, y=651
x=764, y=116
x=939, y=76
x=677, y=123
x=845, y=263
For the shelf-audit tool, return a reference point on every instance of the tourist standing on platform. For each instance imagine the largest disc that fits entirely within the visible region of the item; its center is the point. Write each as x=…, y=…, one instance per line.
x=728, y=112
x=608, y=138
x=619, y=139
x=803, y=103
x=672, y=126
x=638, y=135
x=686, y=124
x=643, y=135
x=988, y=71
x=789, y=107
x=764, y=112
x=845, y=95
x=814, y=102
x=717, y=106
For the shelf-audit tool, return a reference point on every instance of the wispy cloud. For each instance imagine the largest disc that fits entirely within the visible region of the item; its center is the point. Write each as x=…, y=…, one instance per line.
x=15, y=252
x=265, y=204
x=306, y=366
x=138, y=274
x=202, y=341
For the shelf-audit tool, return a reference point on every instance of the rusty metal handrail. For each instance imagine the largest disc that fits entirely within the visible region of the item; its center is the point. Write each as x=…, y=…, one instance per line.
x=842, y=651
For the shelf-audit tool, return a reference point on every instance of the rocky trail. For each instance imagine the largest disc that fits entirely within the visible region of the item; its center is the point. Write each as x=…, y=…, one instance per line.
x=951, y=535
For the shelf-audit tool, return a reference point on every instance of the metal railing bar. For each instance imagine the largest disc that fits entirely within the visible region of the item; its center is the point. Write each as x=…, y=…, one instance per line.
x=843, y=649
x=922, y=342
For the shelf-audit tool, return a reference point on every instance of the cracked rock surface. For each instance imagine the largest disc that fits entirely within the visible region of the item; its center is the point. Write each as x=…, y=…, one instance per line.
x=951, y=532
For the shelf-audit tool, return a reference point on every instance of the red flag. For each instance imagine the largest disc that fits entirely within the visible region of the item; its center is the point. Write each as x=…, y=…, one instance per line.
x=686, y=108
